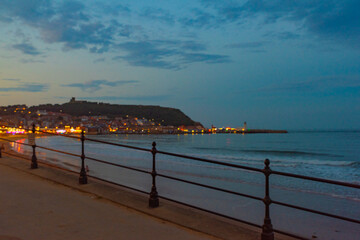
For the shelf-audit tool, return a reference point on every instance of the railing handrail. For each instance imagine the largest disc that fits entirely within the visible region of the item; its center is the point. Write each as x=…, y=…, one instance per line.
x=323, y=180
x=211, y=187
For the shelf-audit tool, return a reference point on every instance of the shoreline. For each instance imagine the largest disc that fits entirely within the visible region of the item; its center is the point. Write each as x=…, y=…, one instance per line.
x=5, y=145
x=250, y=131
x=275, y=190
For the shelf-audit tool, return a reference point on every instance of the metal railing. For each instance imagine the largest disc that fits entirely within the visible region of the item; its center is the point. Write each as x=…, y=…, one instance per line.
x=267, y=228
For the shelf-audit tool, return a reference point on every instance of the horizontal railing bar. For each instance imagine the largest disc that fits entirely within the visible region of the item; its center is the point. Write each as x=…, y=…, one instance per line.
x=117, y=144
x=118, y=184
x=316, y=212
x=219, y=163
x=235, y=165
x=117, y=165
x=211, y=161
x=58, y=151
x=210, y=187
x=345, y=184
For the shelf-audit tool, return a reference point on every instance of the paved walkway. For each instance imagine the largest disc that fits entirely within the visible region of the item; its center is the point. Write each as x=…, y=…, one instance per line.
x=35, y=208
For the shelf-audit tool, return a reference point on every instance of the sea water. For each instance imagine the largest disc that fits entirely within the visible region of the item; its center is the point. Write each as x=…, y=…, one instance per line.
x=325, y=154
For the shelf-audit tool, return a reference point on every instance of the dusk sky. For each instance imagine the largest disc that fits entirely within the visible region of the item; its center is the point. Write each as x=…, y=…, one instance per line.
x=278, y=64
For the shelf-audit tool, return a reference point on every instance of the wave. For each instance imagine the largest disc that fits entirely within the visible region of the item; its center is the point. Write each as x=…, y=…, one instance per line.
x=252, y=183
x=251, y=160
x=289, y=152
x=314, y=192
x=270, y=152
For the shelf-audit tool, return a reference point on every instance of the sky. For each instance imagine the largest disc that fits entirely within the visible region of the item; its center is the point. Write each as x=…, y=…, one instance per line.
x=276, y=64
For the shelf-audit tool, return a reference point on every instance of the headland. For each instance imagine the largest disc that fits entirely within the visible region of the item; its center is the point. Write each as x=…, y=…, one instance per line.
x=104, y=118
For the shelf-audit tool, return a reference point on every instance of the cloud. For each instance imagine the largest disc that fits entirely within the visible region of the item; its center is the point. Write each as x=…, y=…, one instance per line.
x=147, y=54
x=95, y=85
x=199, y=19
x=206, y=58
x=12, y=79
x=158, y=14
x=166, y=54
x=286, y=35
x=27, y=11
x=247, y=45
x=66, y=22
x=316, y=84
x=93, y=36
x=31, y=61
x=114, y=9
x=26, y=49
x=78, y=26
x=192, y=46
x=99, y=60
x=253, y=47
x=328, y=19
x=26, y=87
x=5, y=19
x=130, y=98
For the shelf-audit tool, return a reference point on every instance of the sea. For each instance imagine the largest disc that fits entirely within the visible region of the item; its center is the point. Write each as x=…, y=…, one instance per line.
x=333, y=155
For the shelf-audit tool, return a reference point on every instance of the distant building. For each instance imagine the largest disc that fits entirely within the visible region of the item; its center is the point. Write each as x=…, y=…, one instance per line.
x=73, y=100
x=41, y=112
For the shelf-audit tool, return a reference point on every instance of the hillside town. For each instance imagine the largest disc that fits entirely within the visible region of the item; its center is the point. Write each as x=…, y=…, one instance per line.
x=19, y=117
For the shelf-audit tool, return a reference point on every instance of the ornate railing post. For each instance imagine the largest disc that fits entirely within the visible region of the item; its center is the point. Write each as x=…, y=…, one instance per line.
x=154, y=199
x=34, y=164
x=267, y=229
x=83, y=177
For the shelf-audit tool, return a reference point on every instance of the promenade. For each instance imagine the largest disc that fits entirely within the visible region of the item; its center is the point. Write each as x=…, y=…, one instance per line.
x=48, y=203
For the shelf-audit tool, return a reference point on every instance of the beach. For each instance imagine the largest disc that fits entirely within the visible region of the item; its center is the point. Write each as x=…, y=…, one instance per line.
x=290, y=152
x=48, y=203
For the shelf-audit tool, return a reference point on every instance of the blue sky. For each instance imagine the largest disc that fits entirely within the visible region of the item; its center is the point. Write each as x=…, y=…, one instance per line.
x=279, y=64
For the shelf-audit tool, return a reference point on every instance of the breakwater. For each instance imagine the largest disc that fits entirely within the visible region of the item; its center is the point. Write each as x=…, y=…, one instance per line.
x=248, y=131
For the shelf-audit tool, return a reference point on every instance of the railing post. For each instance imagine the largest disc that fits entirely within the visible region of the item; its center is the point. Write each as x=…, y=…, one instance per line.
x=154, y=199
x=267, y=229
x=83, y=177
x=34, y=164
x=1, y=150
